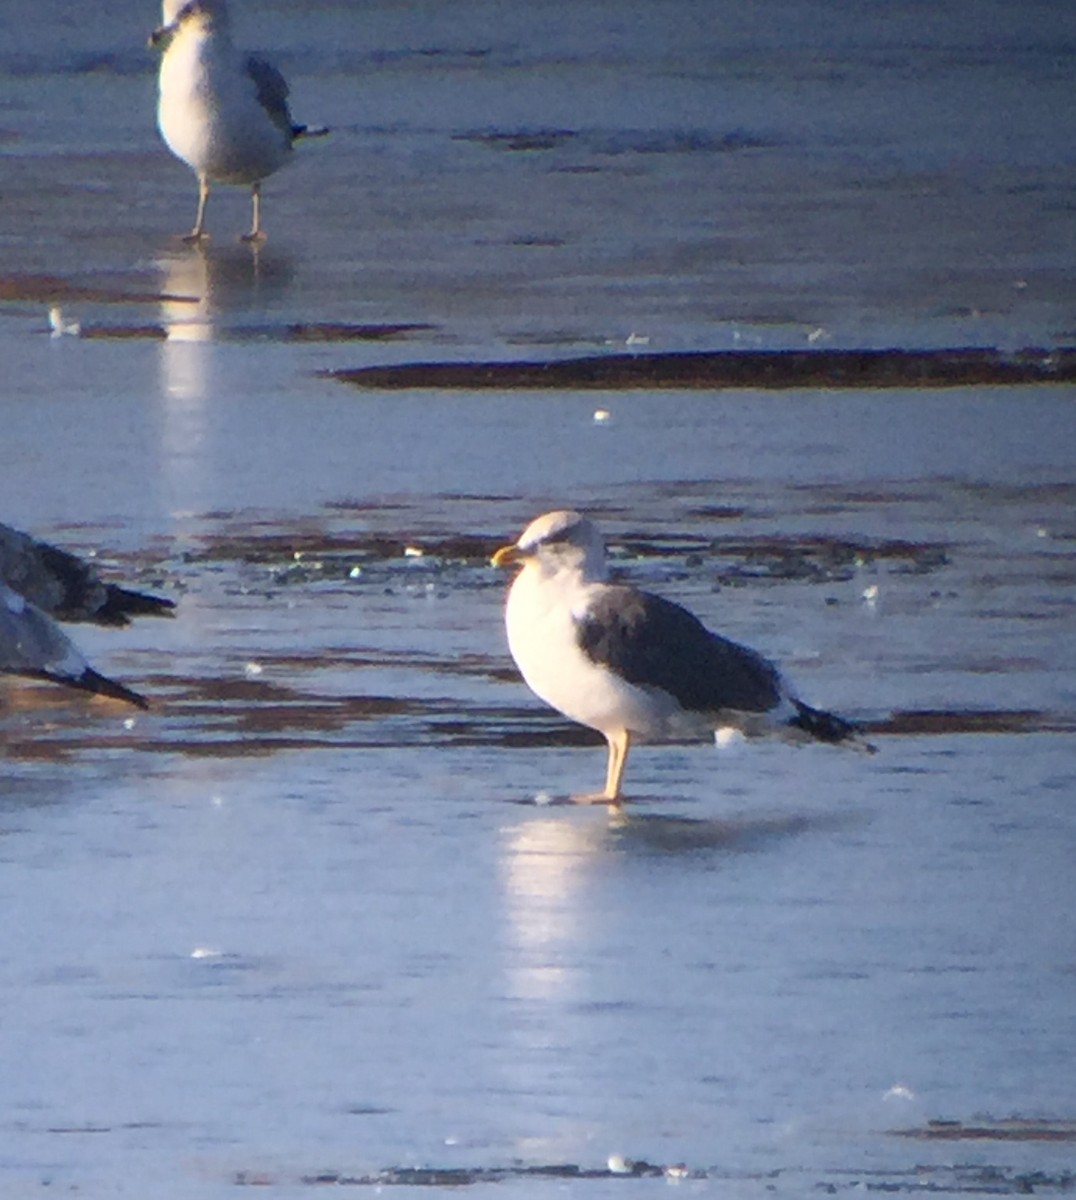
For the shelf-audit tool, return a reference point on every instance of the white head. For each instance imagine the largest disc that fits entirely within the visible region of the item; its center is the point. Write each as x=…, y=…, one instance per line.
x=209, y=15
x=558, y=541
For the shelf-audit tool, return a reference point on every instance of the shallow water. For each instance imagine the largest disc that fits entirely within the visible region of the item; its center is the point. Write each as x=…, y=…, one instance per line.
x=320, y=917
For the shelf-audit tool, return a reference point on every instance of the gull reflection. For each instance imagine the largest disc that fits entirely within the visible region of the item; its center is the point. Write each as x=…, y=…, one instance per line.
x=544, y=871
x=208, y=294
x=185, y=297
x=588, y=898
x=184, y=364
x=552, y=872
x=208, y=289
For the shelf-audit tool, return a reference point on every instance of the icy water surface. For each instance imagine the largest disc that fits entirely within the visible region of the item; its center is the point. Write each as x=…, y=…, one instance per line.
x=319, y=918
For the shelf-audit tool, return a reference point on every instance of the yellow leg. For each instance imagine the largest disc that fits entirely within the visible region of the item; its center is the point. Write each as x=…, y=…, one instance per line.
x=198, y=232
x=619, y=745
x=255, y=234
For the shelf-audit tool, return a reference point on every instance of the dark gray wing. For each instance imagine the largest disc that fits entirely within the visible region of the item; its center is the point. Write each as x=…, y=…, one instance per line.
x=272, y=90
x=67, y=588
x=653, y=642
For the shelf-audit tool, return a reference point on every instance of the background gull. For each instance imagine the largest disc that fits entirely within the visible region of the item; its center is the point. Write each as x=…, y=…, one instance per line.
x=222, y=111
x=67, y=588
x=39, y=582
x=34, y=646
x=631, y=664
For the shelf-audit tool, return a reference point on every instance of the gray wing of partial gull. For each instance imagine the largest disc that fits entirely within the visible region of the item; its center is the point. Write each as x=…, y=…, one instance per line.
x=652, y=642
x=67, y=588
x=272, y=90
x=33, y=645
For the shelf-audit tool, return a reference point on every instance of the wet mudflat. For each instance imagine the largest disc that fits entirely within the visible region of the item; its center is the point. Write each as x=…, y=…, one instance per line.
x=321, y=918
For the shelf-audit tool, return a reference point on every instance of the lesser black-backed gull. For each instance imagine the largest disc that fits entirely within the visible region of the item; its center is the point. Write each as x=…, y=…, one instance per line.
x=631, y=664
x=38, y=582
x=222, y=111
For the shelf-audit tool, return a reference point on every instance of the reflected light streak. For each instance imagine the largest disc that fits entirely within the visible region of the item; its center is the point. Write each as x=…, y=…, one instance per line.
x=186, y=275
x=184, y=387
x=543, y=870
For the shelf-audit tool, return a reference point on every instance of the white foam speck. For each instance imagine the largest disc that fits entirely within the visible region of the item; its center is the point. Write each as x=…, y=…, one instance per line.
x=58, y=327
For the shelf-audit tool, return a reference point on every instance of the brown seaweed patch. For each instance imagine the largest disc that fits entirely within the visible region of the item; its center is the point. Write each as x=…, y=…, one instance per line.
x=331, y=331
x=941, y=721
x=312, y=545
x=237, y=716
x=314, y=332
x=255, y=710
x=324, y=331
x=1012, y=1129
x=233, y=716
x=455, y=1177
x=769, y=369
x=813, y=557
x=45, y=722
x=51, y=289
x=940, y=1178
x=819, y=558
x=518, y=139
x=718, y=512
x=120, y=333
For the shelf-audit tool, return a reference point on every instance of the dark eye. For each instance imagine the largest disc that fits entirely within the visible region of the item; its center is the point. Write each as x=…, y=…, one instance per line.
x=559, y=537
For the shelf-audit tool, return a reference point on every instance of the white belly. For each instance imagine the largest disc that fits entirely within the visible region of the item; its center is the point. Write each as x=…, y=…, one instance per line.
x=542, y=638
x=209, y=116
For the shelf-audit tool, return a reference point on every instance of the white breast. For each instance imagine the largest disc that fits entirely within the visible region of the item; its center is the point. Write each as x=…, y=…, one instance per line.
x=542, y=638
x=210, y=116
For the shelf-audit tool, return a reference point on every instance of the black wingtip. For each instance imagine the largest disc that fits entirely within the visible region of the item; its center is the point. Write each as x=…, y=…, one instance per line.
x=93, y=681
x=828, y=727
x=89, y=681
x=121, y=604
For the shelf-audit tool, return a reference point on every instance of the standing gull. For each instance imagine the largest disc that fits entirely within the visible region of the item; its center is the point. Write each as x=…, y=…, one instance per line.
x=222, y=111
x=39, y=582
x=633, y=665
